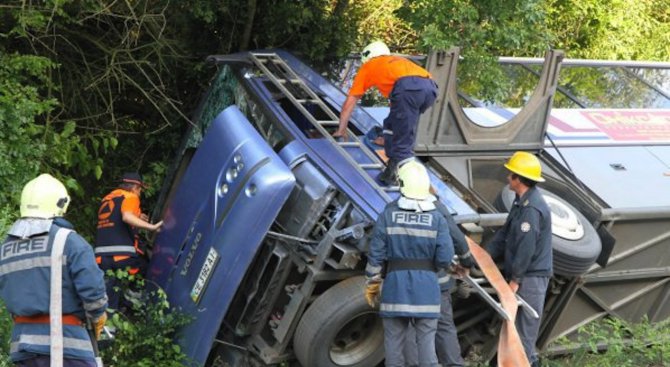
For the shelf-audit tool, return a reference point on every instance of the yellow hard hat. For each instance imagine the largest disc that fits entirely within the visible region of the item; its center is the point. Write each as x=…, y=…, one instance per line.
x=374, y=49
x=526, y=165
x=414, y=180
x=44, y=197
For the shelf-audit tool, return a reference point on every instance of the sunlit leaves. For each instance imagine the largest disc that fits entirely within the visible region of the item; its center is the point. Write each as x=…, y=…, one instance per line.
x=483, y=30
x=612, y=29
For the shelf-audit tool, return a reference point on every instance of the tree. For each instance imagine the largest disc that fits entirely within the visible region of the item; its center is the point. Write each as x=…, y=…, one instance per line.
x=484, y=29
x=125, y=76
x=612, y=29
x=26, y=145
x=109, y=79
x=320, y=31
x=378, y=20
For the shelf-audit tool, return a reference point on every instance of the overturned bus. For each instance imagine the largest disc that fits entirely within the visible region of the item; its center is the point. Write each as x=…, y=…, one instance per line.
x=268, y=218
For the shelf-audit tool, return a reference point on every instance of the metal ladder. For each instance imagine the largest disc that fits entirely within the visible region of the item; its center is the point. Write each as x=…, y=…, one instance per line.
x=369, y=169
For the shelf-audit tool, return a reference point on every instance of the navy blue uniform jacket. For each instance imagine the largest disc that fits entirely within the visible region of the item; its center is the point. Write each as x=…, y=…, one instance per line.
x=525, y=239
x=408, y=235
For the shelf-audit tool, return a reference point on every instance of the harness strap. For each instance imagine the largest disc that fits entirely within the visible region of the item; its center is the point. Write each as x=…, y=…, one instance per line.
x=411, y=264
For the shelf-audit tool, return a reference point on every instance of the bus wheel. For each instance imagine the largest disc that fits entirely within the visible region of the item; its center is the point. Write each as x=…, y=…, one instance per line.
x=340, y=329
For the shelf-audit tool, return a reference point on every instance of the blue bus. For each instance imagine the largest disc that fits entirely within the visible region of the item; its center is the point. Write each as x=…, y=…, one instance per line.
x=268, y=218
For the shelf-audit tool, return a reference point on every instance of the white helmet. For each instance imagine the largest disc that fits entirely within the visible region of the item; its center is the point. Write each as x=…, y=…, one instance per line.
x=414, y=180
x=44, y=197
x=376, y=48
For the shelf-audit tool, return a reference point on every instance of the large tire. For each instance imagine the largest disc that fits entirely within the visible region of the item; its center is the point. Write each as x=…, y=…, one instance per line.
x=575, y=242
x=340, y=329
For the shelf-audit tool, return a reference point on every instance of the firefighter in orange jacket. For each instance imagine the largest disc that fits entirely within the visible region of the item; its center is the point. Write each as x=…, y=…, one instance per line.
x=117, y=240
x=411, y=92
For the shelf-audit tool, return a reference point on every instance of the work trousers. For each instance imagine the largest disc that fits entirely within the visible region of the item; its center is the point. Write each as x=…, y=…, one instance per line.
x=446, y=338
x=411, y=96
x=45, y=361
x=396, y=330
x=533, y=290
x=135, y=264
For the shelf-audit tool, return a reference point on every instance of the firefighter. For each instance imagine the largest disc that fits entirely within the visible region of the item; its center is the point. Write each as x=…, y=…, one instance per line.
x=40, y=239
x=524, y=244
x=412, y=238
x=117, y=245
x=411, y=92
x=446, y=339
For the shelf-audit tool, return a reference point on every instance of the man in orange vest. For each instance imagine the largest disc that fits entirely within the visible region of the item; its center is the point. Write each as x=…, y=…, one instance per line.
x=411, y=92
x=117, y=240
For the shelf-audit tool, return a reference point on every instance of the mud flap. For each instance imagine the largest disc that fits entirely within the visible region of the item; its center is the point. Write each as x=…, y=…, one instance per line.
x=510, y=349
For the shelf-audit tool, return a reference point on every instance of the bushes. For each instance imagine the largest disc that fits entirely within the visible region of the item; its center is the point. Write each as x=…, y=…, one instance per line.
x=144, y=338
x=144, y=332
x=23, y=143
x=5, y=333
x=614, y=342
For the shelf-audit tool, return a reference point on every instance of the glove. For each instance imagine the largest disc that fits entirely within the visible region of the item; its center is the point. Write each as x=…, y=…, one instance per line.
x=99, y=324
x=459, y=271
x=372, y=293
x=466, y=261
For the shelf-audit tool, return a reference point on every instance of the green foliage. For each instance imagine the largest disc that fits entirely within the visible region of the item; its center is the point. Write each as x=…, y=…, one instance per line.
x=30, y=141
x=614, y=342
x=595, y=29
x=7, y=216
x=321, y=31
x=107, y=90
x=6, y=324
x=144, y=334
x=483, y=30
x=21, y=149
x=378, y=20
x=105, y=86
x=614, y=30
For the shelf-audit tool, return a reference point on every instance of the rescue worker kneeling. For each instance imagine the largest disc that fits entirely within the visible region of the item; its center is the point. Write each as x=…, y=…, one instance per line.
x=412, y=237
x=47, y=269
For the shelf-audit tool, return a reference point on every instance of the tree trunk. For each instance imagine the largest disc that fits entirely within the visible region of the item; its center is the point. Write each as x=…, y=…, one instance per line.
x=249, y=25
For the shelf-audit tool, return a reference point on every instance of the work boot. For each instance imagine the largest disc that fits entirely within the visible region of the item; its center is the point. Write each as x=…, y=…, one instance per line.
x=389, y=176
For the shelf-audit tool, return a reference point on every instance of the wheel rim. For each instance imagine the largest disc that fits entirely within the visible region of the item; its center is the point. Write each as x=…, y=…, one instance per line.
x=360, y=337
x=564, y=221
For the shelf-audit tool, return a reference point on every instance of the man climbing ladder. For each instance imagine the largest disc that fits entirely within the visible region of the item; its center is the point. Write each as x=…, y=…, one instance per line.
x=411, y=92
